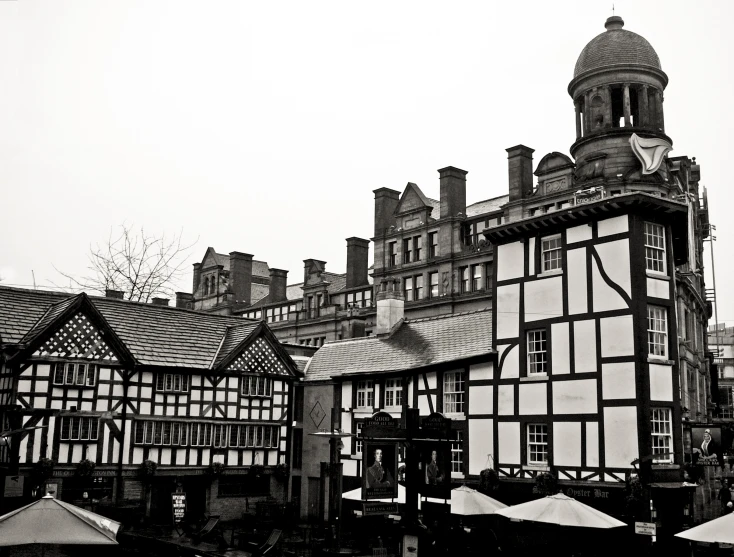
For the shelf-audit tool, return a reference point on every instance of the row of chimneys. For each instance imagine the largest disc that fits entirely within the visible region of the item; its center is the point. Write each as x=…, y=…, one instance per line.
x=452, y=183
x=240, y=275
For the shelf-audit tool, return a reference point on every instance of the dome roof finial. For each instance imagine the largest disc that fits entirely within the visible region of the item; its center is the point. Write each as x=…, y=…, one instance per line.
x=614, y=22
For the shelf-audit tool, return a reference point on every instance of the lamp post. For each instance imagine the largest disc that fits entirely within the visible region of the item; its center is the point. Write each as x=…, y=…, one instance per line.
x=335, y=478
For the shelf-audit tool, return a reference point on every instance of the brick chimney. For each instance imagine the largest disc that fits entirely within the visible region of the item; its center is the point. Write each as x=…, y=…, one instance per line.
x=520, y=166
x=357, y=261
x=277, y=288
x=453, y=191
x=184, y=300
x=390, y=306
x=116, y=294
x=160, y=301
x=386, y=201
x=240, y=276
x=197, y=278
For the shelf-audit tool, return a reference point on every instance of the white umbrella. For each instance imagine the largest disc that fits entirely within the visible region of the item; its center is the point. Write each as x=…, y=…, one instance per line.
x=49, y=521
x=467, y=501
x=562, y=510
x=719, y=530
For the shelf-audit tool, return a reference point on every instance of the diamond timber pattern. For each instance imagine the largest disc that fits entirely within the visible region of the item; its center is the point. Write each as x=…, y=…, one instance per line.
x=78, y=338
x=258, y=358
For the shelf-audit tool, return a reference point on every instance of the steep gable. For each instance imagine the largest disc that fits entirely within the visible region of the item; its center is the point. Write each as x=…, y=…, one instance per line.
x=412, y=200
x=77, y=338
x=259, y=357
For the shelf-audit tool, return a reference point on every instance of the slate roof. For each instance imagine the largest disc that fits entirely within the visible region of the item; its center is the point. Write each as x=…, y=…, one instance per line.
x=486, y=206
x=294, y=292
x=155, y=335
x=616, y=46
x=416, y=343
x=259, y=268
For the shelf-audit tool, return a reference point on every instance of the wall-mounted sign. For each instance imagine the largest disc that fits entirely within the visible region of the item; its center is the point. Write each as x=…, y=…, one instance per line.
x=435, y=469
x=376, y=508
x=706, y=446
x=435, y=426
x=178, y=501
x=380, y=464
x=645, y=528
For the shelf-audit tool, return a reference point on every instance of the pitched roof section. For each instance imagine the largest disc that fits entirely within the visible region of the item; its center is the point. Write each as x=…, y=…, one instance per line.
x=416, y=343
x=486, y=206
x=154, y=335
x=52, y=313
x=232, y=339
x=259, y=268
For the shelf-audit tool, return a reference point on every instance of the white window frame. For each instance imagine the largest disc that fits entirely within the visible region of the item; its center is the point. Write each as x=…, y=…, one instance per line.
x=172, y=383
x=661, y=430
x=258, y=386
x=551, y=253
x=393, y=393
x=69, y=374
x=408, y=288
x=454, y=392
x=537, y=353
x=433, y=286
x=358, y=442
x=75, y=430
x=657, y=332
x=457, y=454
x=655, y=248
x=537, y=444
x=365, y=394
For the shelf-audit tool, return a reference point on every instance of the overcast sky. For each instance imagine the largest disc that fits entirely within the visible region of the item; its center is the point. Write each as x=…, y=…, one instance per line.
x=264, y=127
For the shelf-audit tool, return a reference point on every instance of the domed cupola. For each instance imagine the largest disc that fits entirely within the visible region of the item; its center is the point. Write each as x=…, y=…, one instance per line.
x=617, y=90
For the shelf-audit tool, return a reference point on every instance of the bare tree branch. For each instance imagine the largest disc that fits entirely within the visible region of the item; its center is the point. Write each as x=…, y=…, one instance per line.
x=138, y=264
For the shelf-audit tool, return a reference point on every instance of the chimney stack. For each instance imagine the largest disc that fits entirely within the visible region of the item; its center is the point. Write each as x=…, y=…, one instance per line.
x=453, y=191
x=116, y=294
x=277, y=288
x=390, y=306
x=184, y=300
x=160, y=301
x=520, y=166
x=357, y=261
x=240, y=277
x=386, y=201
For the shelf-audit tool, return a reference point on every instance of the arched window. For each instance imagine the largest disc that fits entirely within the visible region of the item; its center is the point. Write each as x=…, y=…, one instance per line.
x=206, y=286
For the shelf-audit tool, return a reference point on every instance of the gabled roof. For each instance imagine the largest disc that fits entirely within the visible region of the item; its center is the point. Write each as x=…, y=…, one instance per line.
x=153, y=335
x=294, y=292
x=259, y=268
x=415, y=344
x=412, y=199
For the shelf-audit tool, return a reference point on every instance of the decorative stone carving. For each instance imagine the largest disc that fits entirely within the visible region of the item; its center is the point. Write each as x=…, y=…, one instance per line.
x=553, y=186
x=650, y=152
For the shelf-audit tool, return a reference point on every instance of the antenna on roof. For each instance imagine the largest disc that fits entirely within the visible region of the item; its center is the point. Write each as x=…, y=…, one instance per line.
x=34, y=280
x=612, y=9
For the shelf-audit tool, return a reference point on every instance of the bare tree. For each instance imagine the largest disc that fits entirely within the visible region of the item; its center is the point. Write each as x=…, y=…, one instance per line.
x=136, y=263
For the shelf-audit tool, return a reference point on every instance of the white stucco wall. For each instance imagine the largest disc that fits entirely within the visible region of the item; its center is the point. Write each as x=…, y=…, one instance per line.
x=592, y=444
x=533, y=399
x=481, y=399
x=508, y=310
x=584, y=339
x=481, y=443
x=543, y=298
x=620, y=436
x=506, y=400
x=511, y=363
x=578, y=234
x=577, y=281
x=615, y=225
x=618, y=381
x=567, y=443
x=617, y=338
x=575, y=397
x=661, y=383
x=510, y=261
x=560, y=349
x=508, y=439
x=658, y=288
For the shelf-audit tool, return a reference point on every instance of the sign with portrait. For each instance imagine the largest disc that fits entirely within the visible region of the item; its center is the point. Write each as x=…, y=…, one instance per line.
x=706, y=446
x=435, y=469
x=379, y=470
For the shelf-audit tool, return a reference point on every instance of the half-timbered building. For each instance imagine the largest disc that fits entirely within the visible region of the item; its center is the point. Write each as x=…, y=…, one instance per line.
x=138, y=400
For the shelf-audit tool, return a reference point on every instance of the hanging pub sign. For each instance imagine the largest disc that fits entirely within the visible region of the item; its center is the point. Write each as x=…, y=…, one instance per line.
x=435, y=426
x=435, y=469
x=706, y=446
x=383, y=426
x=379, y=465
x=178, y=503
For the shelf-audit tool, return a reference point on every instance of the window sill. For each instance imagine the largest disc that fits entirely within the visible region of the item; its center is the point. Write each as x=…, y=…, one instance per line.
x=552, y=273
x=660, y=361
x=531, y=378
x=656, y=275
x=538, y=467
x=455, y=415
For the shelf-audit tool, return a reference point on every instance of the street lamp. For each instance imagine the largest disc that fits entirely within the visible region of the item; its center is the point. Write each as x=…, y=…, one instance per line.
x=335, y=479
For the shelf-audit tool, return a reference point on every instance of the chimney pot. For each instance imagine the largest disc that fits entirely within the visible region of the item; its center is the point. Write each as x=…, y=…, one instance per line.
x=390, y=306
x=116, y=294
x=240, y=277
x=184, y=300
x=160, y=301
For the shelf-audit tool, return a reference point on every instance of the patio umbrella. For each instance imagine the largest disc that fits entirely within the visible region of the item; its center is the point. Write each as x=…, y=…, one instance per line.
x=466, y=501
x=562, y=510
x=49, y=521
x=719, y=530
